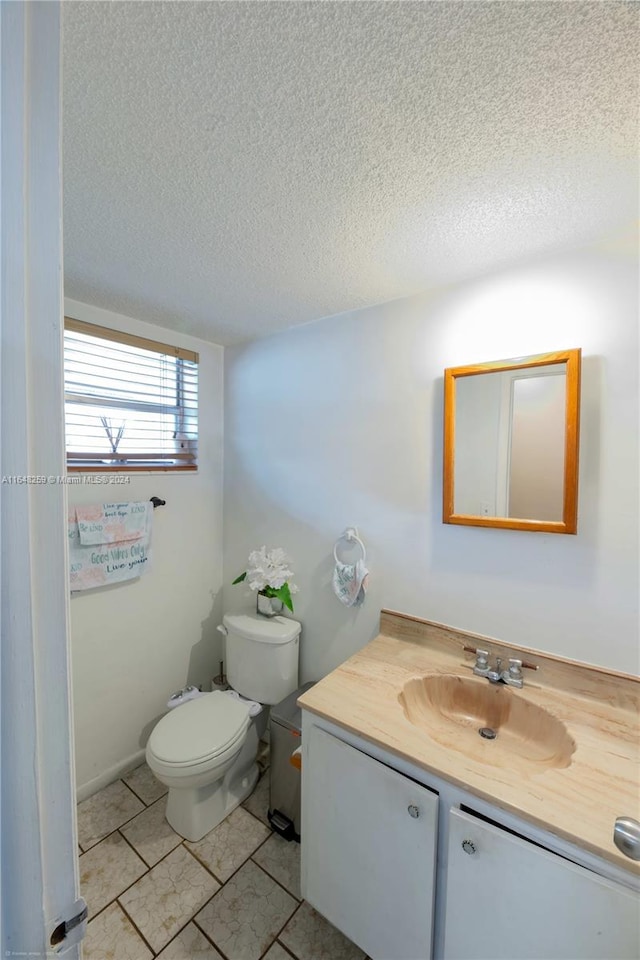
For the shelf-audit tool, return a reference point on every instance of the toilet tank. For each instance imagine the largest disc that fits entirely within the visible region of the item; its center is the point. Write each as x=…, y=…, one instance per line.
x=262, y=656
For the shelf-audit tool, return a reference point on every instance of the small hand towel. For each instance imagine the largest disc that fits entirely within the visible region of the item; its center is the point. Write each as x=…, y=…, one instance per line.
x=97, y=565
x=350, y=582
x=113, y=522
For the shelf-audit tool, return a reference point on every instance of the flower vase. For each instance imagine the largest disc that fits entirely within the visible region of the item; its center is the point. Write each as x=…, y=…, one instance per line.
x=268, y=606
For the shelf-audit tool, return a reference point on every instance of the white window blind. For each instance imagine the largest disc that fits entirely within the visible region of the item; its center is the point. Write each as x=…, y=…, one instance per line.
x=130, y=403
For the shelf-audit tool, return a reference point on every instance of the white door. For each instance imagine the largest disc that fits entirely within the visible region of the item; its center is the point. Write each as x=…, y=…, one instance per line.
x=368, y=849
x=39, y=849
x=508, y=899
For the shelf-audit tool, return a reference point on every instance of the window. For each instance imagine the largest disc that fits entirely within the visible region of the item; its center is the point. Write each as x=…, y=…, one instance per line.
x=130, y=403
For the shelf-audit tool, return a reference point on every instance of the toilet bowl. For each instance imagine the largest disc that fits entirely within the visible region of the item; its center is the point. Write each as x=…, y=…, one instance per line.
x=205, y=752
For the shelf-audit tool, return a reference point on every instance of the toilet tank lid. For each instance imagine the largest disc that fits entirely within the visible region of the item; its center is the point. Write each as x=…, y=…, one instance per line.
x=262, y=629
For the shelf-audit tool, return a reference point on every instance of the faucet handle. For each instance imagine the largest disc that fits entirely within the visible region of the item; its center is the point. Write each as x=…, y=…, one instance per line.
x=513, y=675
x=481, y=666
x=515, y=669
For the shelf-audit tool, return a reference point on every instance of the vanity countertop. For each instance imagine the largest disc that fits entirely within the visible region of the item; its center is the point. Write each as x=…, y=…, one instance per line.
x=599, y=708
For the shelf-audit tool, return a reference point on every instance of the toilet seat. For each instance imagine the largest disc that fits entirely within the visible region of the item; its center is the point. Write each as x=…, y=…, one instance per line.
x=202, y=732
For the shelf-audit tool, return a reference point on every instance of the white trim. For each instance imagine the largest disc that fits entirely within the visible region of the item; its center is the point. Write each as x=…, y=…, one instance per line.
x=109, y=776
x=39, y=863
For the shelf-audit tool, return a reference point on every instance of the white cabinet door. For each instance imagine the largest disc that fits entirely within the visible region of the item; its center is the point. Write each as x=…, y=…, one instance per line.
x=508, y=899
x=368, y=849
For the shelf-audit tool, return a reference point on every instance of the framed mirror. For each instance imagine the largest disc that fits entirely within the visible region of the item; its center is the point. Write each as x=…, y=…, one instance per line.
x=511, y=434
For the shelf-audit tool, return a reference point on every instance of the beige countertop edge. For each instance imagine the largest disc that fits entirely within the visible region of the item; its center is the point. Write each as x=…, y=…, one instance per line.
x=362, y=696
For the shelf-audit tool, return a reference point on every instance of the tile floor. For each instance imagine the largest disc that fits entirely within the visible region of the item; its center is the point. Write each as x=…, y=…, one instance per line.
x=234, y=895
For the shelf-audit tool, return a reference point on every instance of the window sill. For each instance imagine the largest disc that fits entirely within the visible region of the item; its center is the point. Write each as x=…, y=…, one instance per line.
x=132, y=469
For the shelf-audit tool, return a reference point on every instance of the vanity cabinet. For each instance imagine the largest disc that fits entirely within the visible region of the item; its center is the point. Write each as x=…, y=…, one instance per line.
x=369, y=849
x=369, y=839
x=508, y=898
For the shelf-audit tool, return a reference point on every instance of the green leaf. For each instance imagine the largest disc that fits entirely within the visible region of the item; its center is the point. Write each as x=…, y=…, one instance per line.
x=240, y=578
x=283, y=593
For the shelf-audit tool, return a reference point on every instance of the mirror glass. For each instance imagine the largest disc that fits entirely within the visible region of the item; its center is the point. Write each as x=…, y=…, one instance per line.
x=511, y=443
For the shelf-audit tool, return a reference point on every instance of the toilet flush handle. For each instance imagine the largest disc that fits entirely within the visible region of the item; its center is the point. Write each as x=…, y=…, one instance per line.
x=221, y=627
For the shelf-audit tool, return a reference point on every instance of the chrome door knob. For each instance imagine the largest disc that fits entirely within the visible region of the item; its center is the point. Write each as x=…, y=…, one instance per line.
x=413, y=811
x=469, y=847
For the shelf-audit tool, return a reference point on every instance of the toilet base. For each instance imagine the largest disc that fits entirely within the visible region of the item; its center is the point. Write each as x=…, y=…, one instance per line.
x=194, y=811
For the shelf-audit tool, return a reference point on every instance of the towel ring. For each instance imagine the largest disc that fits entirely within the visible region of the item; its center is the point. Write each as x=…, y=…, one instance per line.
x=351, y=536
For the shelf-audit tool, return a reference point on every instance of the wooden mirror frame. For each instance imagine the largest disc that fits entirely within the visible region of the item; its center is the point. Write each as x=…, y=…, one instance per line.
x=569, y=522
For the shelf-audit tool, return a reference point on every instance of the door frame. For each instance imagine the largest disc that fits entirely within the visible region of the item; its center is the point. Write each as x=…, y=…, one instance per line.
x=39, y=836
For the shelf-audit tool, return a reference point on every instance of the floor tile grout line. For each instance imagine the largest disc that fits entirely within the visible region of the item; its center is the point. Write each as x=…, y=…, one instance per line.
x=129, y=787
x=148, y=865
x=123, y=824
x=182, y=929
x=285, y=924
x=116, y=900
x=275, y=879
x=298, y=902
x=102, y=910
x=131, y=790
x=163, y=858
x=267, y=824
x=193, y=920
x=187, y=922
x=133, y=847
x=142, y=799
x=146, y=871
x=195, y=857
x=286, y=949
x=203, y=864
x=148, y=806
x=208, y=938
x=136, y=928
x=231, y=875
x=267, y=948
x=117, y=830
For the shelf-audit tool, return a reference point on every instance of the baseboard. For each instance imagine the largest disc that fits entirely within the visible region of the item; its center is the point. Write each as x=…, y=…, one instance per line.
x=109, y=776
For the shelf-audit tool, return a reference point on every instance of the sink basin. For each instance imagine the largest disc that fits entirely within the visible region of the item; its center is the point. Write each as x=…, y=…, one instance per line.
x=516, y=733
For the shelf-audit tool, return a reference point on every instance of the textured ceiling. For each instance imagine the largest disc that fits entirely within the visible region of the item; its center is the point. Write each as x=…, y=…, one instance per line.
x=236, y=168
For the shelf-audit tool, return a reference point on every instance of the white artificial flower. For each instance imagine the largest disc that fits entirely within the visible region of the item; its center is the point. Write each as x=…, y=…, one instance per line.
x=269, y=569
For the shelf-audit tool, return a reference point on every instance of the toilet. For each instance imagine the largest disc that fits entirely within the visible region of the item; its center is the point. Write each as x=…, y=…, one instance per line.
x=205, y=750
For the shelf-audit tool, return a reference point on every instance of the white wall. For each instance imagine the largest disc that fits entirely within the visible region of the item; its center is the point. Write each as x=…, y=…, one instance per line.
x=136, y=642
x=340, y=422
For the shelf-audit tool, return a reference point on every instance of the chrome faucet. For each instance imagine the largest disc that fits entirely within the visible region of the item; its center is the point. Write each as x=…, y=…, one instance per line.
x=495, y=675
x=512, y=676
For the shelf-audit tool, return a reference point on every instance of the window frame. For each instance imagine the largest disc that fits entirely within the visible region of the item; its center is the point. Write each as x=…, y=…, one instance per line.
x=159, y=347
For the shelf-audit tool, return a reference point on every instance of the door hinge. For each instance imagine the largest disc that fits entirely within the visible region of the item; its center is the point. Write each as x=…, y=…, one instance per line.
x=70, y=930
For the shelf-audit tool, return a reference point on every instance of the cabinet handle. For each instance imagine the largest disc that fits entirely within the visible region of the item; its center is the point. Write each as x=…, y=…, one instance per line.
x=626, y=836
x=469, y=847
x=413, y=811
